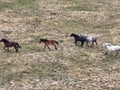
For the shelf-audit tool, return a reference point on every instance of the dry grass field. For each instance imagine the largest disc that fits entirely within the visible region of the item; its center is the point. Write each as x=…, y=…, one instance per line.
x=70, y=67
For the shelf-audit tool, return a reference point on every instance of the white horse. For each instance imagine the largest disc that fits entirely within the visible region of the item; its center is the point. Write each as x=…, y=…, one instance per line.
x=90, y=39
x=112, y=48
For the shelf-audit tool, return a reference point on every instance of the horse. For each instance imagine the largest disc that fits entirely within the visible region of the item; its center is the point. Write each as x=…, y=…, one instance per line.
x=8, y=44
x=78, y=38
x=112, y=48
x=49, y=42
x=90, y=39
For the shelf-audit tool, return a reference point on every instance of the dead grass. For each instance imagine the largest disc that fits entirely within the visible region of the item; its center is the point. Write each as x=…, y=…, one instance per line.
x=70, y=67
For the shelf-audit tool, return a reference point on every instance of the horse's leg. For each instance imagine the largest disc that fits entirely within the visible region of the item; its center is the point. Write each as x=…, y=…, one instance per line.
x=55, y=47
x=87, y=43
x=92, y=43
x=8, y=49
x=76, y=42
x=82, y=43
x=116, y=54
x=96, y=43
x=4, y=48
x=106, y=53
x=16, y=48
x=44, y=47
x=48, y=47
x=111, y=53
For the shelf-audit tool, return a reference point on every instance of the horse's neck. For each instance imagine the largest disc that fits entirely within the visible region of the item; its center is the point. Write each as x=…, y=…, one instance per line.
x=109, y=47
x=6, y=42
x=76, y=36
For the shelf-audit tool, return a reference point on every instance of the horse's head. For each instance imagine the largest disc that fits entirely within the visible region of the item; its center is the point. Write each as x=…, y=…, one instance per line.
x=106, y=44
x=4, y=40
x=42, y=40
x=72, y=34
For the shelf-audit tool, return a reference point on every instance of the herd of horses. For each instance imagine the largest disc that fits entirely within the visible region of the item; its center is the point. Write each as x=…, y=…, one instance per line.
x=81, y=38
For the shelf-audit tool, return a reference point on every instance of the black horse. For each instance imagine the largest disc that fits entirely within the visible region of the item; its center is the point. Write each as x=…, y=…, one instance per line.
x=78, y=38
x=10, y=44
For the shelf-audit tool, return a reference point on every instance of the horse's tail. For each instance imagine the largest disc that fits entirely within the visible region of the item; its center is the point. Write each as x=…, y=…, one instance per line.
x=56, y=42
x=18, y=45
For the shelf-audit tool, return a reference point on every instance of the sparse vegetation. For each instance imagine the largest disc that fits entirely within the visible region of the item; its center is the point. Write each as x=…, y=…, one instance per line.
x=70, y=67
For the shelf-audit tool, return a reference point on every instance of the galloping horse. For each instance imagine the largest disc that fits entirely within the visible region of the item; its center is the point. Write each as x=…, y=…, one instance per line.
x=49, y=42
x=112, y=48
x=78, y=38
x=10, y=44
x=90, y=39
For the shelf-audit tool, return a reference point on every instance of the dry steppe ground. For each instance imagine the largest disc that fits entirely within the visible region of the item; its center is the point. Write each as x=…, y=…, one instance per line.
x=70, y=67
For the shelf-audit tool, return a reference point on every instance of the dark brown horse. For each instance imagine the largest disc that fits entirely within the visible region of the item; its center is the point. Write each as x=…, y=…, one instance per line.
x=10, y=44
x=49, y=42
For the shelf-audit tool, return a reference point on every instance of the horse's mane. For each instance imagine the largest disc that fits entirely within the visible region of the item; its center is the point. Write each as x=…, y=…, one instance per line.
x=107, y=44
x=73, y=34
x=4, y=40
